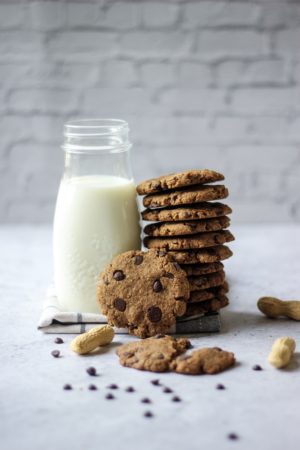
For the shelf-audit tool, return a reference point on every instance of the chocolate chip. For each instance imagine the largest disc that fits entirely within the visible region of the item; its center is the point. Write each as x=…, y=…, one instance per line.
x=91, y=371
x=58, y=340
x=67, y=387
x=148, y=414
x=232, y=436
x=119, y=304
x=138, y=260
x=109, y=397
x=176, y=399
x=160, y=356
x=154, y=314
x=155, y=382
x=118, y=275
x=167, y=390
x=146, y=400
x=130, y=389
x=220, y=386
x=113, y=386
x=55, y=353
x=257, y=367
x=157, y=286
x=92, y=387
x=169, y=275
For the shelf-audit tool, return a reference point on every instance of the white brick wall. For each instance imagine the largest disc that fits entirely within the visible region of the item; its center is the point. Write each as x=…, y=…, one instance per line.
x=212, y=83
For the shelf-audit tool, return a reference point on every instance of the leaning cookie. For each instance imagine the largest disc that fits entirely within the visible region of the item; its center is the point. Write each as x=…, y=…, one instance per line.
x=195, y=194
x=178, y=180
x=203, y=361
x=143, y=291
x=154, y=354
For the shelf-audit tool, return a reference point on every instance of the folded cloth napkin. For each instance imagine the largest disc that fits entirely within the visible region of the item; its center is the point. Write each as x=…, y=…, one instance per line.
x=54, y=320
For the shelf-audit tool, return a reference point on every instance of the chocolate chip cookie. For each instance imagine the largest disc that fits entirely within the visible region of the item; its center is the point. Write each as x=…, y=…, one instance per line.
x=201, y=240
x=186, y=196
x=204, y=360
x=208, y=294
x=197, y=211
x=177, y=180
x=205, y=255
x=162, y=229
x=202, y=269
x=154, y=354
x=207, y=306
x=206, y=281
x=143, y=291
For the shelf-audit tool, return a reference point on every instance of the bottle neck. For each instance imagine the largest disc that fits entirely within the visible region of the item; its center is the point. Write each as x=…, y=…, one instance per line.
x=97, y=147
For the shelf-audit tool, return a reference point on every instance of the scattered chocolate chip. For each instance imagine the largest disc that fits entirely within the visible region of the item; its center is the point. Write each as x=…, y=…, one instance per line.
x=113, y=386
x=220, y=386
x=232, y=436
x=176, y=399
x=118, y=275
x=138, y=260
x=167, y=390
x=146, y=400
x=257, y=367
x=130, y=389
x=109, y=397
x=155, y=382
x=58, y=340
x=55, y=353
x=67, y=387
x=148, y=414
x=157, y=286
x=92, y=387
x=154, y=314
x=91, y=371
x=119, y=304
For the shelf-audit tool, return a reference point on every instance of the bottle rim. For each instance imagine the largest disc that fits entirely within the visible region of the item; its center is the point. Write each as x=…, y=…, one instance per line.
x=90, y=135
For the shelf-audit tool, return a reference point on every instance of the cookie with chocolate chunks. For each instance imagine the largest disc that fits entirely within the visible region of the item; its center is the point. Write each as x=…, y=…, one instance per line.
x=203, y=361
x=143, y=291
x=195, y=194
x=178, y=180
x=204, y=210
x=206, y=281
x=209, y=293
x=207, y=306
x=204, y=255
x=202, y=269
x=154, y=354
x=162, y=229
x=201, y=240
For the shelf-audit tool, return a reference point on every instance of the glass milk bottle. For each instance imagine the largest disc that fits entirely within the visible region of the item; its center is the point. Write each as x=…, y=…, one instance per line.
x=96, y=214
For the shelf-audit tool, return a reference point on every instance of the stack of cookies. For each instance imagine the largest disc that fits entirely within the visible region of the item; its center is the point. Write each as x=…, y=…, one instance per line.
x=190, y=224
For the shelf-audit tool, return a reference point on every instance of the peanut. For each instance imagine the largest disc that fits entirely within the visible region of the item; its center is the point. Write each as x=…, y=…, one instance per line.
x=282, y=351
x=96, y=337
x=273, y=307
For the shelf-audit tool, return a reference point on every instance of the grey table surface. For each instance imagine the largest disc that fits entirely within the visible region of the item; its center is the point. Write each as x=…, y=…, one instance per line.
x=262, y=408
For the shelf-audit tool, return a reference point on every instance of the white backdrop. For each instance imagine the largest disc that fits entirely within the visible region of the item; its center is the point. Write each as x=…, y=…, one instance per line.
x=202, y=83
